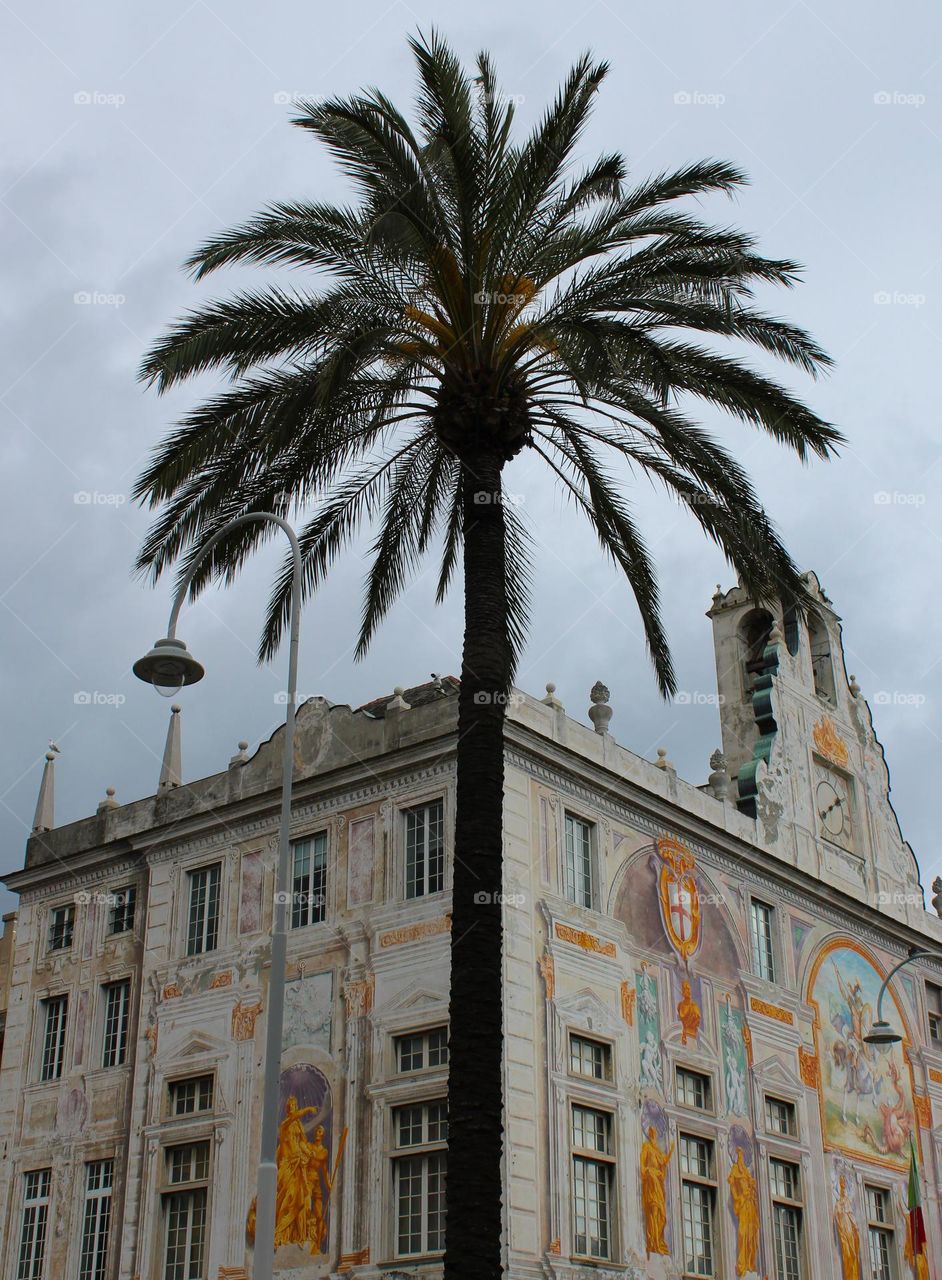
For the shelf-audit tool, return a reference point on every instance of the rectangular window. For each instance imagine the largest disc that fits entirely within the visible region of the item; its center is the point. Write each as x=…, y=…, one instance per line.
x=425, y=849
x=190, y=1096
x=694, y=1089
x=53, y=1058
x=698, y=1206
x=787, y=1219
x=593, y=1177
x=579, y=877
x=309, y=882
x=880, y=1234
x=121, y=915
x=423, y=1050
x=62, y=928
x=763, y=958
x=421, y=1130
x=96, y=1224
x=117, y=1011
x=187, y=1172
x=202, y=932
x=590, y=1058
x=780, y=1117
x=36, y=1188
x=934, y=1003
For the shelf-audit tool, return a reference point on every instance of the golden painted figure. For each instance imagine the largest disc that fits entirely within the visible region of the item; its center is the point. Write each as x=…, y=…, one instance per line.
x=654, y=1164
x=848, y=1236
x=745, y=1194
x=689, y=1013
x=299, y=1207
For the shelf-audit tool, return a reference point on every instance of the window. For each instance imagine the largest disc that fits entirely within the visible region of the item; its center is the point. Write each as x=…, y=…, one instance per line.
x=880, y=1234
x=763, y=960
x=202, y=931
x=698, y=1206
x=96, y=1224
x=53, y=1058
x=425, y=849
x=421, y=1131
x=189, y=1096
x=117, y=1009
x=590, y=1058
x=934, y=1003
x=780, y=1117
x=821, y=667
x=785, y=1181
x=579, y=877
x=694, y=1089
x=62, y=928
x=36, y=1187
x=187, y=1173
x=422, y=1050
x=309, y=885
x=593, y=1177
x=121, y=917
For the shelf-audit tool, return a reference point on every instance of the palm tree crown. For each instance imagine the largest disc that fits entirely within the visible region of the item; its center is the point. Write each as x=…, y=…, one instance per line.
x=482, y=298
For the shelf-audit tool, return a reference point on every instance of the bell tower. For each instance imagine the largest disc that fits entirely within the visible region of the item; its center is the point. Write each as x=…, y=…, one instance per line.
x=798, y=738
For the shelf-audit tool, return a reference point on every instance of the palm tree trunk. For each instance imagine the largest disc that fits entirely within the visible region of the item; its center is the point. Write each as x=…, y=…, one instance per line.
x=475, y=1095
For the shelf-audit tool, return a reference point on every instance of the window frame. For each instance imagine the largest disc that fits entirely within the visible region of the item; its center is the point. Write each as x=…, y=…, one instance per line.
x=792, y=1107
x=39, y=1204
x=771, y=948
x=934, y=1013
x=709, y=1181
x=307, y=899
x=119, y=903
x=60, y=999
x=171, y=1191
x=708, y=1108
x=569, y=876
x=204, y=868
x=116, y=1055
x=792, y=1204
x=66, y=909
x=424, y=1034
x=575, y=1034
x=426, y=1151
x=101, y=1202
x=884, y=1228
x=600, y=1159
x=441, y=878
x=195, y=1079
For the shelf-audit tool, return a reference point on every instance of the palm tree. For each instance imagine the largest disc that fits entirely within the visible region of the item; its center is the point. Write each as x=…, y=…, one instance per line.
x=481, y=297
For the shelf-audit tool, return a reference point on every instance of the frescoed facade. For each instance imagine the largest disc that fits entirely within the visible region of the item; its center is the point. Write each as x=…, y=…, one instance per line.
x=691, y=974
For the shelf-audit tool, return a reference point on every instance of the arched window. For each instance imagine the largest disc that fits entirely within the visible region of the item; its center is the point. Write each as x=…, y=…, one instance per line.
x=821, y=667
x=754, y=633
x=792, y=629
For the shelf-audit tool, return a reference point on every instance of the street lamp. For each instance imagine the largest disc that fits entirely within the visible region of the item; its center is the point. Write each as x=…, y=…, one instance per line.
x=881, y=1033
x=168, y=667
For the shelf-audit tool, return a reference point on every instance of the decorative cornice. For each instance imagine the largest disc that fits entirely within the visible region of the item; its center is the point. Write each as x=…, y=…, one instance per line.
x=586, y=941
x=413, y=932
x=771, y=1011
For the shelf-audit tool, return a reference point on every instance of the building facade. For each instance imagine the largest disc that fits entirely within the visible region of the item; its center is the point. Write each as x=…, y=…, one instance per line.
x=690, y=974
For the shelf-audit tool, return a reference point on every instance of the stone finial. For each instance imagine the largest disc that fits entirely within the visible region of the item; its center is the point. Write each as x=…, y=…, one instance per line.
x=398, y=702
x=718, y=595
x=172, y=764
x=600, y=713
x=662, y=761
x=240, y=757
x=718, y=783
x=937, y=895
x=109, y=801
x=854, y=687
x=776, y=636
x=551, y=700
x=45, y=818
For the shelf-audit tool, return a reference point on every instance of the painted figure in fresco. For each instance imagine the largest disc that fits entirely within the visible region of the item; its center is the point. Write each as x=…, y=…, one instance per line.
x=302, y=1169
x=651, y=1062
x=896, y=1120
x=850, y=1054
x=654, y=1163
x=848, y=1235
x=688, y=1011
x=745, y=1196
x=735, y=1089
x=647, y=996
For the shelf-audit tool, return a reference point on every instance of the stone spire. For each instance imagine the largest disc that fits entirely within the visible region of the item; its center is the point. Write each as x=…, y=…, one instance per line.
x=172, y=764
x=45, y=806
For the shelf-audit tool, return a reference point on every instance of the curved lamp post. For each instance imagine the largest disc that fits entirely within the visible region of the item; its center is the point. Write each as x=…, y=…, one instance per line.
x=168, y=667
x=881, y=1033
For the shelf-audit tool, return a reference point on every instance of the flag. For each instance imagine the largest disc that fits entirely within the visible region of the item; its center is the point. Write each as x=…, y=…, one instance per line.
x=917, y=1224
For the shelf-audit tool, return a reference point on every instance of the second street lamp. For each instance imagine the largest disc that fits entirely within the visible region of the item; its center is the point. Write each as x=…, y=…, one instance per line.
x=168, y=667
x=881, y=1033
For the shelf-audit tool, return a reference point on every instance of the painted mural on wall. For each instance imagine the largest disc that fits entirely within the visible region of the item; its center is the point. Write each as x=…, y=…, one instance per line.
x=308, y=1006
x=307, y=1162
x=678, y=896
x=744, y=1199
x=649, y=1030
x=866, y=1095
x=654, y=1169
x=735, y=1063
x=846, y=1230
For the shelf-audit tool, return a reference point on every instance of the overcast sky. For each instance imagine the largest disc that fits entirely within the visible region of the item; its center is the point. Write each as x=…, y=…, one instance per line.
x=134, y=131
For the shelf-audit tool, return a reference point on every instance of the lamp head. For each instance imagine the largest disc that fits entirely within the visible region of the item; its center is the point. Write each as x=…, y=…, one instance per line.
x=882, y=1035
x=168, y=667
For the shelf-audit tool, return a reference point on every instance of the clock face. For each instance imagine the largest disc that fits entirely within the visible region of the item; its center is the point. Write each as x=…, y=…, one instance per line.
x=832, y=801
